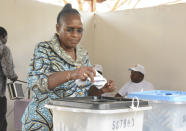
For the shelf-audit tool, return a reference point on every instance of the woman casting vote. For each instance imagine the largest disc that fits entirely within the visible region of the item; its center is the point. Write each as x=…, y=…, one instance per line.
x=54, y=68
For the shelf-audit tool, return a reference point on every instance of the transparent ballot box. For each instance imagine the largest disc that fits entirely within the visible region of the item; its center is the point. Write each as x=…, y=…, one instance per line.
x=168, y=110
x=98, y=114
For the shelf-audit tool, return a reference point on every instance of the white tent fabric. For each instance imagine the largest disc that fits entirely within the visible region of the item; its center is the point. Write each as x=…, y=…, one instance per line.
x=113, y=5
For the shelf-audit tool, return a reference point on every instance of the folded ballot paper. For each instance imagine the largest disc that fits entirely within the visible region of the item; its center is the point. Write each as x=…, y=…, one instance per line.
x=99, y=81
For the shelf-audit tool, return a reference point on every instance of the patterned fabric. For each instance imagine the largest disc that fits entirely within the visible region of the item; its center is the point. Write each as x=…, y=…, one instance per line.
x=6, y=67
x=48, y=58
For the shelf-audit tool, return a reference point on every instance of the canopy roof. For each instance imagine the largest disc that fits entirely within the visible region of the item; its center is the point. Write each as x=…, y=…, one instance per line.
x=111, y=5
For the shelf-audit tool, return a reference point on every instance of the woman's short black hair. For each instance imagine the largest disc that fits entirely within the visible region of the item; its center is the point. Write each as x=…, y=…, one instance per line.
x=67, y=9
x=3, y=32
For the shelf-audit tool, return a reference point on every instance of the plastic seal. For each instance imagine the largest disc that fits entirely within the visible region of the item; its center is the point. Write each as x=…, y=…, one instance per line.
x=132, y=105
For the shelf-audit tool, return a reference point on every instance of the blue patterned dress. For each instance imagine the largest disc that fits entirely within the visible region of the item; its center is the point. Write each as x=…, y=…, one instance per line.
x=48, y=58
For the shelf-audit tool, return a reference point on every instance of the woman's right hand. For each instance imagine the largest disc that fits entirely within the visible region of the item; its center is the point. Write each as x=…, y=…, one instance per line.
x=83, y=73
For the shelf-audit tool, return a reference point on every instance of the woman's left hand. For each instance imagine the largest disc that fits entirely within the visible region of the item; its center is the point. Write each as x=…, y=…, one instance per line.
x=108, y=87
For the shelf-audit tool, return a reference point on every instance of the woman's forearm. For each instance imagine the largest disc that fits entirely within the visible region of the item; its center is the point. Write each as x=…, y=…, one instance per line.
x=58, y=78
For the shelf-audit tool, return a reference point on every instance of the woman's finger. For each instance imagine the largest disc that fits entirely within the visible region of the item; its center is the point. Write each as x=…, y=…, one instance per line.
x=84, y=76
x=90, y=75
x=91, y=69
x=85, y=72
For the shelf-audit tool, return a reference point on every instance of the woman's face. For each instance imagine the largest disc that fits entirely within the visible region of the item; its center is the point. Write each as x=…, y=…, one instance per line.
x=136, y=77
x=70, y=31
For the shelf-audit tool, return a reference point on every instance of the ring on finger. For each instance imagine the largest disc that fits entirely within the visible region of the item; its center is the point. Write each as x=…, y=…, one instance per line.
x=84, y=74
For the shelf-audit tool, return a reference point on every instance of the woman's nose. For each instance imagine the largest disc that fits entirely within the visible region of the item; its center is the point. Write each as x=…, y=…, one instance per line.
x=75, y=33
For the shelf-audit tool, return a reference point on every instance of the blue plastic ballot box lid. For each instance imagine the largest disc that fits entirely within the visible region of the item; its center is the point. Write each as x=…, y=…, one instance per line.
x=160, y=95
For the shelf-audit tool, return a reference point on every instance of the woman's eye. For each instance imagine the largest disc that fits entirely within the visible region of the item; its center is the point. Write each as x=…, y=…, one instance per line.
x=80, y=30
x=70, y=30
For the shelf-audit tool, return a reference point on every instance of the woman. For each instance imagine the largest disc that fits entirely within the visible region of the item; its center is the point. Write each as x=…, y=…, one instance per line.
x=55, y=66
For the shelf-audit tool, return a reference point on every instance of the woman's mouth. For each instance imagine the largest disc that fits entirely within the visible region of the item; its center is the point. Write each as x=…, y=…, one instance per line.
x=74, y=41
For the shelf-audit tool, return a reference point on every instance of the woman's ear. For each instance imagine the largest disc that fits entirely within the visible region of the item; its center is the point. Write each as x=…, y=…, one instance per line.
x=57, y=28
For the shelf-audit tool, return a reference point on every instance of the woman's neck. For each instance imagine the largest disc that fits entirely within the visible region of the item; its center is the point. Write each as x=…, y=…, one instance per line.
x=70, y=51
x=72, y=54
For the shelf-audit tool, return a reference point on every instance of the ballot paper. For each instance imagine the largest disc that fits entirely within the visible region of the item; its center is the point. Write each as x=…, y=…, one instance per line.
x=99, y=81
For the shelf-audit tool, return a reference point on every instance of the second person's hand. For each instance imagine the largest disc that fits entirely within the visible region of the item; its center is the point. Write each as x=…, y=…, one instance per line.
x=108, y=87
